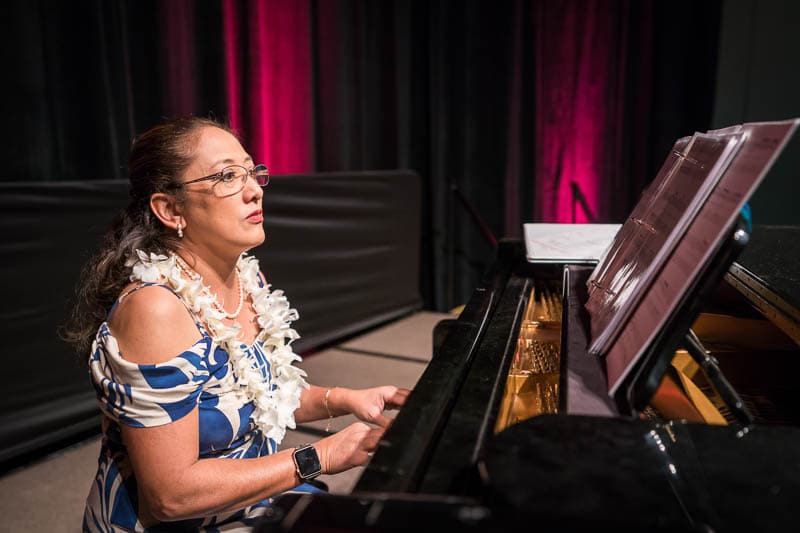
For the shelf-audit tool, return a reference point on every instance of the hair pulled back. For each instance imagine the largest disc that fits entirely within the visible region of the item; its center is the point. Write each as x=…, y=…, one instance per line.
x=158, y=158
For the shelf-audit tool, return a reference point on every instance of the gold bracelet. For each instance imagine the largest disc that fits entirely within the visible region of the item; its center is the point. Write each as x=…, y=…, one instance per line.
x=330, y=415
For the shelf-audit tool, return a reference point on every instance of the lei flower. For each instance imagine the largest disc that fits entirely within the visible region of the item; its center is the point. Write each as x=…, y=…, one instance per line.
x=275, y=400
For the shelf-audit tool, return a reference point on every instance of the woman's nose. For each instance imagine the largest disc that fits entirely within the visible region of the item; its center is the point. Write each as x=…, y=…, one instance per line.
x=252, y=189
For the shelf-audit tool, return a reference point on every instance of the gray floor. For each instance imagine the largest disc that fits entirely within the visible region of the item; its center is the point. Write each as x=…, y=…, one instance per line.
x=48, y=496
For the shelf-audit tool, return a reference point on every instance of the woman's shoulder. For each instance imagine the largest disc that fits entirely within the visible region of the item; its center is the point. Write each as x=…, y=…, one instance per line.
x=152, y=325
x=150, y=298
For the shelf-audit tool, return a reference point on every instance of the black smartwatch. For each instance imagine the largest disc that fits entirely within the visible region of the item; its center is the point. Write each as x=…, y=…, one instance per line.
x=306, y=461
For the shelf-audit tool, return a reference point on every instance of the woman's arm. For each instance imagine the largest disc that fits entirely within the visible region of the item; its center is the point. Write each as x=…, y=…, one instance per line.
x=366, y=404
x=151, y=327
x=312, y=405
x=174, y=484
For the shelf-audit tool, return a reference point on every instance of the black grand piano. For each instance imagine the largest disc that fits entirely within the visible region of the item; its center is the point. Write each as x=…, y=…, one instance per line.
x=513, y=423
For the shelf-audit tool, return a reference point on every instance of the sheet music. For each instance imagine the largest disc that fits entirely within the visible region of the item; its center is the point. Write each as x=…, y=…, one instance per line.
x=760, y=146
x=620, y=248
x=567, y=243
x=622, y=239
x=653, y=237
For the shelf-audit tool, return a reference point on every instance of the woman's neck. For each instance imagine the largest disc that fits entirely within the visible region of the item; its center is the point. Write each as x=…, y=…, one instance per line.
x=217, y=270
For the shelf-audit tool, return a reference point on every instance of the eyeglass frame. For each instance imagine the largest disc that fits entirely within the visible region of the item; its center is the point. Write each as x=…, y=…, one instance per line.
x=218, y=175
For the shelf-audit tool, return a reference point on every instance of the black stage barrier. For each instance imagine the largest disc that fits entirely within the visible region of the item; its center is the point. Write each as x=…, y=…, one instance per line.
x=343, y=246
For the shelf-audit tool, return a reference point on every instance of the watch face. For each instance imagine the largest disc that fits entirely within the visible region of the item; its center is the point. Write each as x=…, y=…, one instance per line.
x=307, y=462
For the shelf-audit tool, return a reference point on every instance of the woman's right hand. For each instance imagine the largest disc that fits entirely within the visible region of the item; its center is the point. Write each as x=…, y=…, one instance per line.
x=349, y=447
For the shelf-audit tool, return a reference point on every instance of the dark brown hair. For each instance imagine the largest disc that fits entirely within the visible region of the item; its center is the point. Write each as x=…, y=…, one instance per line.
x=157, y=159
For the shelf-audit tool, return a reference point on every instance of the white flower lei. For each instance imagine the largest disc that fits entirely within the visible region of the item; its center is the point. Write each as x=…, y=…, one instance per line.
x=276, y=400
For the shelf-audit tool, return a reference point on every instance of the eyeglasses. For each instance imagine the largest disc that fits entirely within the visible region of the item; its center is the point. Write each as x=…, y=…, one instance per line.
x=231, y=179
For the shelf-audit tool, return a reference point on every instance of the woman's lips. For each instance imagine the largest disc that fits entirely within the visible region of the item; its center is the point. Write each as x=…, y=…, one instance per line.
x=256, y=216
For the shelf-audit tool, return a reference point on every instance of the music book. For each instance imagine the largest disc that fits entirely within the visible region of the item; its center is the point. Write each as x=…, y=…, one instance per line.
x=680, y=238
x=654, y=230
x=568, y=243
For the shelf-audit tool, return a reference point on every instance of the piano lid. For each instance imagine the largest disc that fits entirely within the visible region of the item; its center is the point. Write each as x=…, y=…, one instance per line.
x=768, y=274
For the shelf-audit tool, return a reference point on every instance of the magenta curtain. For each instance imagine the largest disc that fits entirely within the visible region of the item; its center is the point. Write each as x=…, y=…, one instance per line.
x=231, y=29
x=580, y=92
x=178, y=56
x=269, y=88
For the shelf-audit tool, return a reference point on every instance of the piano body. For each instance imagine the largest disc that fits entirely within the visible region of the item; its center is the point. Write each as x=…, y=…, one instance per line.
x=654, y=390
x=512, y=423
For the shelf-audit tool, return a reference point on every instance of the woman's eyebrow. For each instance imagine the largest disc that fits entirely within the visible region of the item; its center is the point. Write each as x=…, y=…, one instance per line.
x=229, y=161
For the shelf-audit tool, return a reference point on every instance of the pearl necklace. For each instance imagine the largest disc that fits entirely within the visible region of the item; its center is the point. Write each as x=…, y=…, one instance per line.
x=194, y=275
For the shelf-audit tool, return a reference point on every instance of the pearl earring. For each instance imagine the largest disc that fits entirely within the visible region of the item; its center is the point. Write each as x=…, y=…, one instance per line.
x=180, y=231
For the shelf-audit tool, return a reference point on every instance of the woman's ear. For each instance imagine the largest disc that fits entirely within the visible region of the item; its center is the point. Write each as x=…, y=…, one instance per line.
x=167, y=209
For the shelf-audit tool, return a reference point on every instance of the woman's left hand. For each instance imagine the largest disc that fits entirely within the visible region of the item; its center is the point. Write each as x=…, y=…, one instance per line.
x=368, y=404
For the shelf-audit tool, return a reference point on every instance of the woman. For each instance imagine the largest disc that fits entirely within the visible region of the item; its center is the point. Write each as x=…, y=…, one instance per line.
x=191, y=355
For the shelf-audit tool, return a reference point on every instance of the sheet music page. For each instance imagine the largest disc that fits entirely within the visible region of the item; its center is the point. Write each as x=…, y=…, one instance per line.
x=671, y=209
x=619, y=249
x=760, y=146
x=567, y=243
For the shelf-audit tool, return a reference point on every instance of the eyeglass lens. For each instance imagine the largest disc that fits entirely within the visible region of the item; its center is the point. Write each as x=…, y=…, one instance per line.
x=233, y=178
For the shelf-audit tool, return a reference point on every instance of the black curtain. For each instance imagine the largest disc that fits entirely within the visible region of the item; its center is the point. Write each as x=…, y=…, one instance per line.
x=83, y=77
x=443, y=87
x=447, y=88
x=422, y=85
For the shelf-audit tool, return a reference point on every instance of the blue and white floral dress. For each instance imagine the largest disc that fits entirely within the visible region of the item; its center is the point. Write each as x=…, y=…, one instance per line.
x=156, y=394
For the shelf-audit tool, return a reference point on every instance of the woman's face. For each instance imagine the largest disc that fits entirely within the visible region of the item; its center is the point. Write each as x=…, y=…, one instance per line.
x=221, y=225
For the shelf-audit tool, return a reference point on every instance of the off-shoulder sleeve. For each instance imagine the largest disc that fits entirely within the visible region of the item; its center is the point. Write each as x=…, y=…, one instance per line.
x=147, y=395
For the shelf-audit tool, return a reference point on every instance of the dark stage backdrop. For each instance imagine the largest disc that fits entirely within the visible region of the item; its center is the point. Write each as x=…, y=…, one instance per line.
x=513, y=111
x=343, y=246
